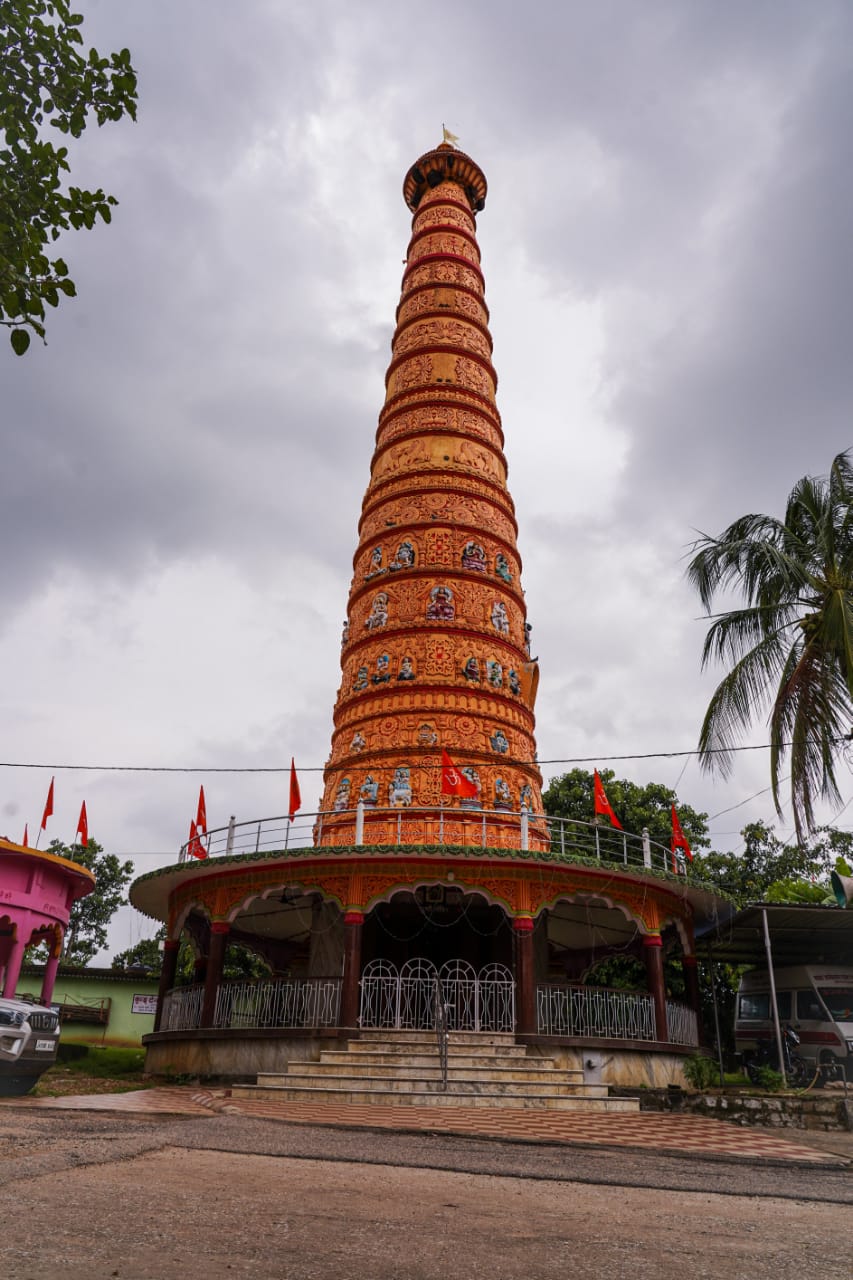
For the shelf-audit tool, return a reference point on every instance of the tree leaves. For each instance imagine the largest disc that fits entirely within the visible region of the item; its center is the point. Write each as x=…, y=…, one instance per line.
x=46, y=79
x=792, y=643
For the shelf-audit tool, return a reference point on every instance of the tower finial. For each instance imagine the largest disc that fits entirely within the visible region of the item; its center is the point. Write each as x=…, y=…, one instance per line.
x=448, y=136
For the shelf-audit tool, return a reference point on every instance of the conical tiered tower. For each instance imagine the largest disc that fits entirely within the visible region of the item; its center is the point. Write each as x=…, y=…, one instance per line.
x=435, y=652
x=410, y=911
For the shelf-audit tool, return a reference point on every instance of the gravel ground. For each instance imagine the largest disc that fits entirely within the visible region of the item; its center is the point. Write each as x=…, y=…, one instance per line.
x=105, y=1195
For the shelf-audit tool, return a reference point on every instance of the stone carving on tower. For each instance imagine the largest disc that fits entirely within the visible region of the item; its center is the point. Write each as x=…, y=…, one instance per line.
x=435, y=652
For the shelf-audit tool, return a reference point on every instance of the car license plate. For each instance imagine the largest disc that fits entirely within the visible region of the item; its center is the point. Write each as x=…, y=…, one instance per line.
x=44, y=1046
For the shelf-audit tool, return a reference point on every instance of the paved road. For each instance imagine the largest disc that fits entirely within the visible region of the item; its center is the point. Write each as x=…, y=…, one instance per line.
x=138, y=1197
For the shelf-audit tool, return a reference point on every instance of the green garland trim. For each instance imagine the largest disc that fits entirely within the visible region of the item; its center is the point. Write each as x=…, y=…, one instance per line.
x=443, y=850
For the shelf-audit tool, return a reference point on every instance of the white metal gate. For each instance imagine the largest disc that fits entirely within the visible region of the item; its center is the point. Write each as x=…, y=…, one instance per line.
x=404, y=999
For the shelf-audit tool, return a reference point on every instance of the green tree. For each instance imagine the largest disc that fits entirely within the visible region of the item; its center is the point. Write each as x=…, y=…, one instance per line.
x=239, y=961
x=90, y=916
x=767, y=870
x=571, y=796
x=47, y=79
x=791, y=645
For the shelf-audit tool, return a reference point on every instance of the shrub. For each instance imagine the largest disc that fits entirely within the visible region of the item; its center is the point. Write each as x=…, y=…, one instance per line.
x=701, y=1072
x=767, y=1078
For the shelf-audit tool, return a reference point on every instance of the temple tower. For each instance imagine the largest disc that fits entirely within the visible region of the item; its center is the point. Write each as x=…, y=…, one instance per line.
x=435, y=653
x=400, y=907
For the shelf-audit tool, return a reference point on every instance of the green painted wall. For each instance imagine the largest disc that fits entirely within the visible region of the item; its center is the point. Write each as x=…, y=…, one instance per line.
x=74, y=987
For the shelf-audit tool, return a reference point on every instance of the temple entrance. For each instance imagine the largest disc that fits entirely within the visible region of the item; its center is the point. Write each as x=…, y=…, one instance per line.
x=439, y=923
x=437, y=942
x=405, y=999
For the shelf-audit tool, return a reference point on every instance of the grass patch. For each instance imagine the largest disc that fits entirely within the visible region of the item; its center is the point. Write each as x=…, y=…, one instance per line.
x=106, y=1063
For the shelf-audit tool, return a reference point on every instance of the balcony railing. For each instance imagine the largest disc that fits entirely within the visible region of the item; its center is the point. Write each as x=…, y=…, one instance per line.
x=182, y=1009
x=681, y=1023
x=610, y=1014
x=560, y=839
x=595, y=1013
x=287, y=1002
x=310, y=1003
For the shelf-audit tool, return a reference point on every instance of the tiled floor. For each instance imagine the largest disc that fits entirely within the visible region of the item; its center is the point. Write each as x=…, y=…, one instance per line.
x=651, y=1132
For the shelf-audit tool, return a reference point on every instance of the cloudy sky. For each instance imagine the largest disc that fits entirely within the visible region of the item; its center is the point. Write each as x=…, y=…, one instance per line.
x=669, y=267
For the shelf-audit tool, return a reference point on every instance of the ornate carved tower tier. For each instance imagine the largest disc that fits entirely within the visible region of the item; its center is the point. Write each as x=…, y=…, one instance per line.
x=435, y=652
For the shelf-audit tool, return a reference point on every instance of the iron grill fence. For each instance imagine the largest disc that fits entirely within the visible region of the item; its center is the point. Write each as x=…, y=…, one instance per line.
x=681, y=1024
x=182, y=1009
x=595, y=1012
x=404, y=998
x=284, y=1002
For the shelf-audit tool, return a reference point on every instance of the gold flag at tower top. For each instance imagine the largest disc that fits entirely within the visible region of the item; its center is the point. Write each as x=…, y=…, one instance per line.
x=452, y=138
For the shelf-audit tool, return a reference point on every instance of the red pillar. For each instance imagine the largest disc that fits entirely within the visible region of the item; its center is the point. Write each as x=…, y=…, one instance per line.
x=167, y=975
x=219, y=931
x=353, y=930
x=525, y=990
x=653, y=948
x=691, y=986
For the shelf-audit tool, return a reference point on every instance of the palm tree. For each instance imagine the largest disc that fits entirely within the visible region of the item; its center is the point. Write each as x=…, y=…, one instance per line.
x=793, y=640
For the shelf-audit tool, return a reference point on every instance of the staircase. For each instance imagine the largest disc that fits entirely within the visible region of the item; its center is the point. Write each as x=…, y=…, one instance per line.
x=402, y=1068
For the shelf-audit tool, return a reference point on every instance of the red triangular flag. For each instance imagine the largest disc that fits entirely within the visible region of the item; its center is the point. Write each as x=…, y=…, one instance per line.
x=48, y=806
x=195, y=847
x=601, y=804
x=201, y=814
x=679, y=840
x=83, y=826
x=295, y=797
x=26, y=840
x=453, y=780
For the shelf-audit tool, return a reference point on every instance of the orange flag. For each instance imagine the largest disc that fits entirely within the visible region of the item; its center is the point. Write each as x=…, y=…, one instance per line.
x=48, y=806
x=601, y=804
x=295, y=796
x=82, y=826
x=679, y=840
x=195, y=847
x=26, y=840
x=201, y=814
x=453, y=780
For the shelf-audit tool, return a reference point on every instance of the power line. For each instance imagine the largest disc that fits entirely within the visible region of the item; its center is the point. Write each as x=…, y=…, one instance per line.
x=156, y=768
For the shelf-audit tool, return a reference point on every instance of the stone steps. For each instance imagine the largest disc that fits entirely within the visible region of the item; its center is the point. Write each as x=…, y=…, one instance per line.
x=378, y=1064
x=457, y=1082
x=403, y=1069
x=387, y=1097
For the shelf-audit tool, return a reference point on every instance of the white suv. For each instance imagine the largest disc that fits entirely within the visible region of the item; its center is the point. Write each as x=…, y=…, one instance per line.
x=29, y=1035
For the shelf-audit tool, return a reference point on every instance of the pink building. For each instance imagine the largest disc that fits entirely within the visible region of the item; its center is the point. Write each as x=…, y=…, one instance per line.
x=37, y=892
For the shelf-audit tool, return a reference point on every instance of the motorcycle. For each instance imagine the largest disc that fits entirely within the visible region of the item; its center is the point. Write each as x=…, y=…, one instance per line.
x=797, y=1071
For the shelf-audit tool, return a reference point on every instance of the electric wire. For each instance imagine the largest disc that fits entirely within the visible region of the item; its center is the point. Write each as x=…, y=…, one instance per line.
x=597, y=759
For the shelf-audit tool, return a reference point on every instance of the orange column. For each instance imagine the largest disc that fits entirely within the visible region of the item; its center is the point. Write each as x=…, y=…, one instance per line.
x=219, y=931
x=653, y=949
x=525, y=989
x=353, y=930
x=167, y=975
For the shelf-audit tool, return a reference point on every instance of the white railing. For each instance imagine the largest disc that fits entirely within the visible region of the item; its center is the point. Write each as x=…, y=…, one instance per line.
x=595, y=1012
x=473, y=828
x=404, y=999
x=182, y=1009
x=285, y=1002
x=681, y=1024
